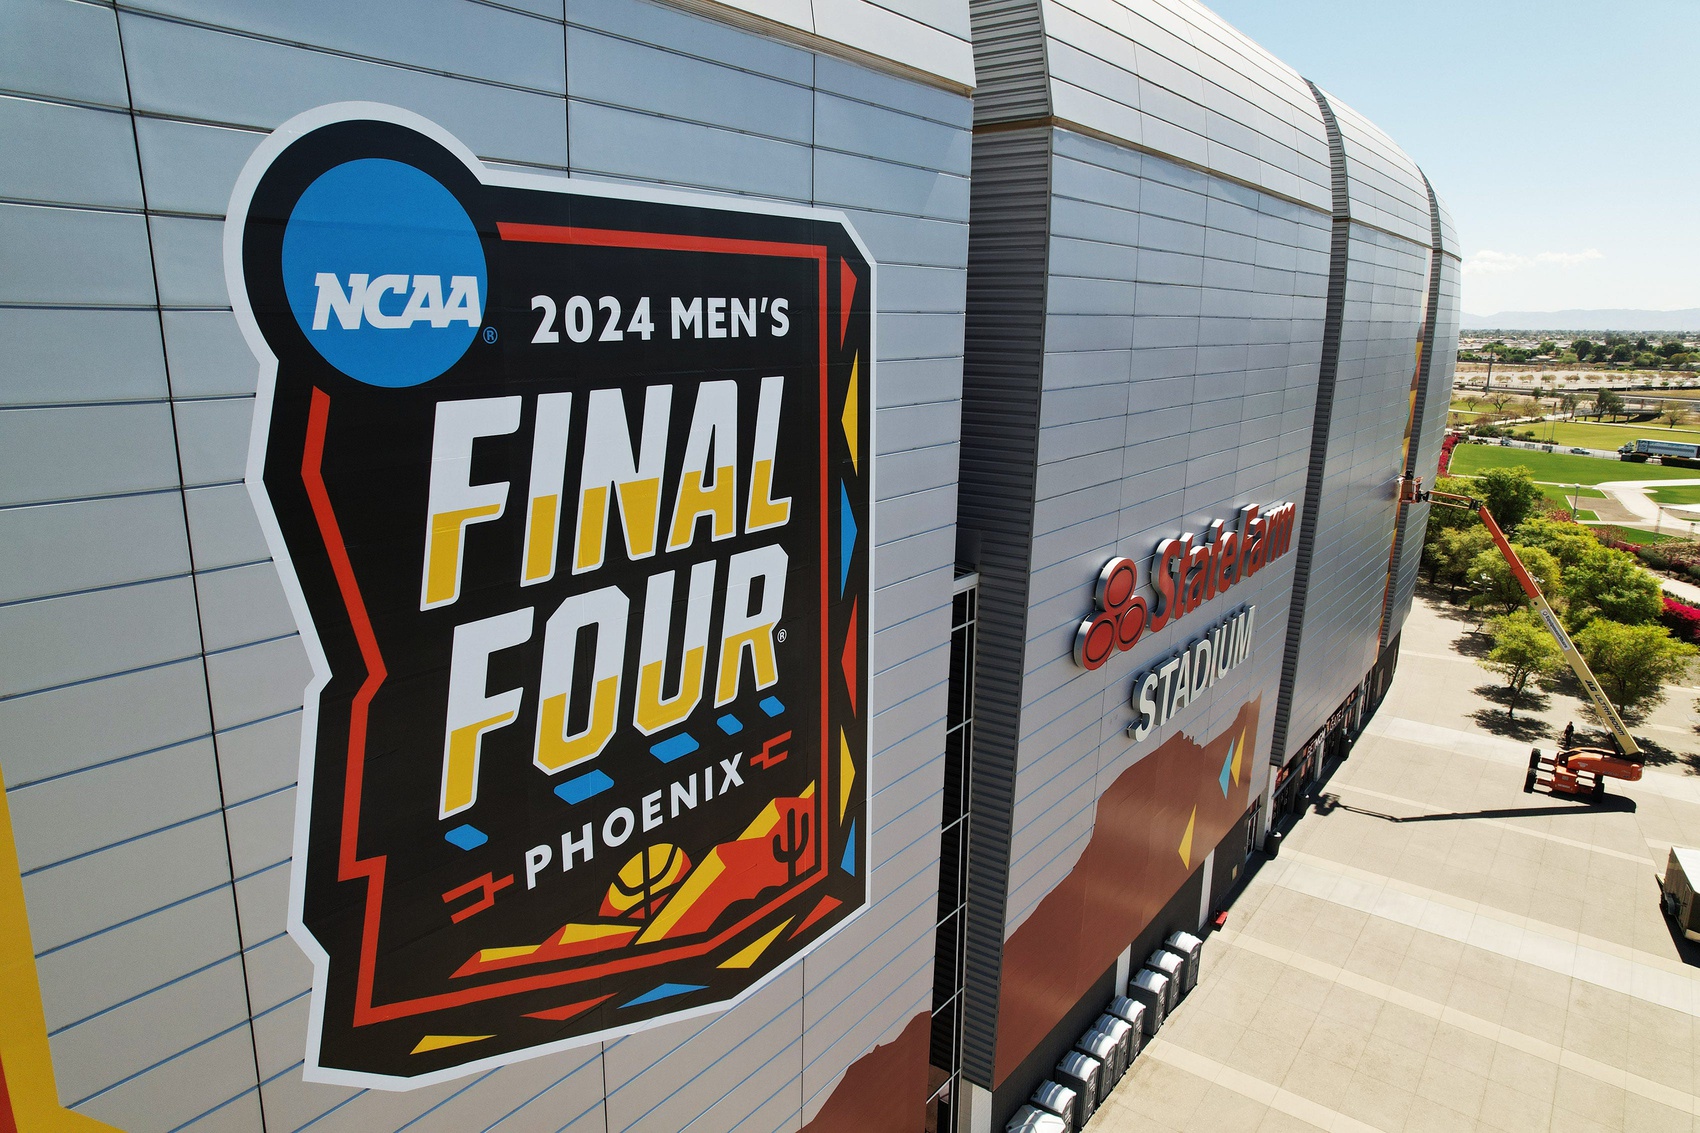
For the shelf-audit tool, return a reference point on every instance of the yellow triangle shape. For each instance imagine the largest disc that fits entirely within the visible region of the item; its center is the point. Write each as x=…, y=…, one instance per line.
x=850, y=418
x=846, y=773
x=752, y=953
x=438, y=1042
x=1239, y=755
x=1186, y=839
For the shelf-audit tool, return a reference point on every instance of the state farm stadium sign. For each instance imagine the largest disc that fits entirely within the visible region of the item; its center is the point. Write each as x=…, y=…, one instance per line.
x=1185, y=572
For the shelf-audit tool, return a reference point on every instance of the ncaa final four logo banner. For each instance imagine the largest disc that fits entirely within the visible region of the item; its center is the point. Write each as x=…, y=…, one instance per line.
x=570, y=486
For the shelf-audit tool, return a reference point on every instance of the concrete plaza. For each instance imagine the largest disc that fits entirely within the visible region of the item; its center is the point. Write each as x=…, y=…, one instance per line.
x=1433, y=949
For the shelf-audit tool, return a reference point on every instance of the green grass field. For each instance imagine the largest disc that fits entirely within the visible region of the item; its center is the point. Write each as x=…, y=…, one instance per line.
x=1560, y=495
x=1678, y=495
x=1638, y=535
x=1588, y=434
x=1560, y=467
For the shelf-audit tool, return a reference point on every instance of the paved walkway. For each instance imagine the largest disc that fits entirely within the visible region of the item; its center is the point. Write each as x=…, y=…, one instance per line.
x=1632, y=494
x=1434, y=949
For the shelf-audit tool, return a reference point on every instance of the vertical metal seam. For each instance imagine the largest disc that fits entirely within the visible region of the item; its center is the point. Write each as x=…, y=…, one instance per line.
x=1419, y=413
x=194, y=583
x=1327, y=371
x=1003, y=369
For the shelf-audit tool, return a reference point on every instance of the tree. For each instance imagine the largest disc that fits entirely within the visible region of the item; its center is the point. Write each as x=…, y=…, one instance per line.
x=1633, y=663
x=1450, y=554
x=1499, y=400
x=1673, y=414
x=1608, y=401
x=1608, y=583
x=1471, y=401
x=1499, y=587
x=1547, y=346
x=1568, y=543
x=1568, y=404
x=1670, y=347
x=1583, y=348
x=1510, y=494
x=1523, y=652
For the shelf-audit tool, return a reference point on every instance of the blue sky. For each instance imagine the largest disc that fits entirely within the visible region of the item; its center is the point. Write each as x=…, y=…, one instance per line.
x=1562, y=135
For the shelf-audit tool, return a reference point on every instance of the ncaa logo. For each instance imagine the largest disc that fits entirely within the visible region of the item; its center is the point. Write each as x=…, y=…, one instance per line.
x=384, y=272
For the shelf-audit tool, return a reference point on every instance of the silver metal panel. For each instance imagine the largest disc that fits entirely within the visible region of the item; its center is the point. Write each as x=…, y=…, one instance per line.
x=79, y=637
x=223, y=530
x=59, y=356
x=1387, y=189
x=241, y=81
x=74, y=257
x=72, y=815
x=62, y=50
x=69, y=154
x=449, y=36
x=1175, y=80
x=58, y=548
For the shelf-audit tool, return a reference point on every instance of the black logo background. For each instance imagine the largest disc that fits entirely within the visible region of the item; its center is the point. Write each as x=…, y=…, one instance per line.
x=375, y=876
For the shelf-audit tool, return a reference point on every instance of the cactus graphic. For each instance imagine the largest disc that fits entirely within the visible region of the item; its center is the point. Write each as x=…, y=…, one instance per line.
x=790, y=851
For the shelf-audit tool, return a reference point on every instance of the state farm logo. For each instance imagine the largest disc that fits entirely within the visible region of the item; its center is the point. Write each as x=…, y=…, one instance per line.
x=1185, y=572
x=384, y=272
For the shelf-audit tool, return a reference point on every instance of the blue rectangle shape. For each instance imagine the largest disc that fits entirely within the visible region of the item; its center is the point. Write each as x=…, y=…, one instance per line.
x=673, y=747
x=585, y=786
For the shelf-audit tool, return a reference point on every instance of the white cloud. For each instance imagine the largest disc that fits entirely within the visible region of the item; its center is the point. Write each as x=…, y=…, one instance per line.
x=1489, y=262
x=1569, y=259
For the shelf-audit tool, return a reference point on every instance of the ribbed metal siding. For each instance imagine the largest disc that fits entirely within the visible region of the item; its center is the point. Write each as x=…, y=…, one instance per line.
x=1009, y=219
x=1425, y=443
x=1326, y=372
x=1009, y=62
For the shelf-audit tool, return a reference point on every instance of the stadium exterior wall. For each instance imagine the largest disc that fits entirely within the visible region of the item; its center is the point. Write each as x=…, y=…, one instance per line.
x=1105, y=273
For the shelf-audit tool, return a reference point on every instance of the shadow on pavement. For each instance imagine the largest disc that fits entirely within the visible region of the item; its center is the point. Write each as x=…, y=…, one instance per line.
x=1655, y=754
x=1606, y=804
x=1525, y=729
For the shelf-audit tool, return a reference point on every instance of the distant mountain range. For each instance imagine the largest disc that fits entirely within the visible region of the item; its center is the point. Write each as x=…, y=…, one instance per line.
x=1687, y=319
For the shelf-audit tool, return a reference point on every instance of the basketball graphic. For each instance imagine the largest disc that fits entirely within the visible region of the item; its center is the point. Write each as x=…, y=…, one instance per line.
x=645, y=881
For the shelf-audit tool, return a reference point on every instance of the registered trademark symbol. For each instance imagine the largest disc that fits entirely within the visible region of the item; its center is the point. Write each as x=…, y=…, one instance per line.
x=489, y=334
x=780, y=636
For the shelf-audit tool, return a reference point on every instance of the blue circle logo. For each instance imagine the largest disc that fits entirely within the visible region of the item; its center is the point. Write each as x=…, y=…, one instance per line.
x=384, y=272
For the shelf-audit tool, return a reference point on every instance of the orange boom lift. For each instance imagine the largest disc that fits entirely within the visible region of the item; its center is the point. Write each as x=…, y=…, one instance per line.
x=1578, y=771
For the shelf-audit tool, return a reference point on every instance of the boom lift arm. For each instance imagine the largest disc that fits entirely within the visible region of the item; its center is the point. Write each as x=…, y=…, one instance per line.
x=1621, y=764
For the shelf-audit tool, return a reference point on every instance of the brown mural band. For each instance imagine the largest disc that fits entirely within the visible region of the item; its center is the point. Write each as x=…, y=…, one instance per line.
x=1151, y=830
x=884, y=1090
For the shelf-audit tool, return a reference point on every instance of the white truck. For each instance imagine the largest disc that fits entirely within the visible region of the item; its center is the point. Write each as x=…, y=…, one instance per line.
x=1668, y=452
